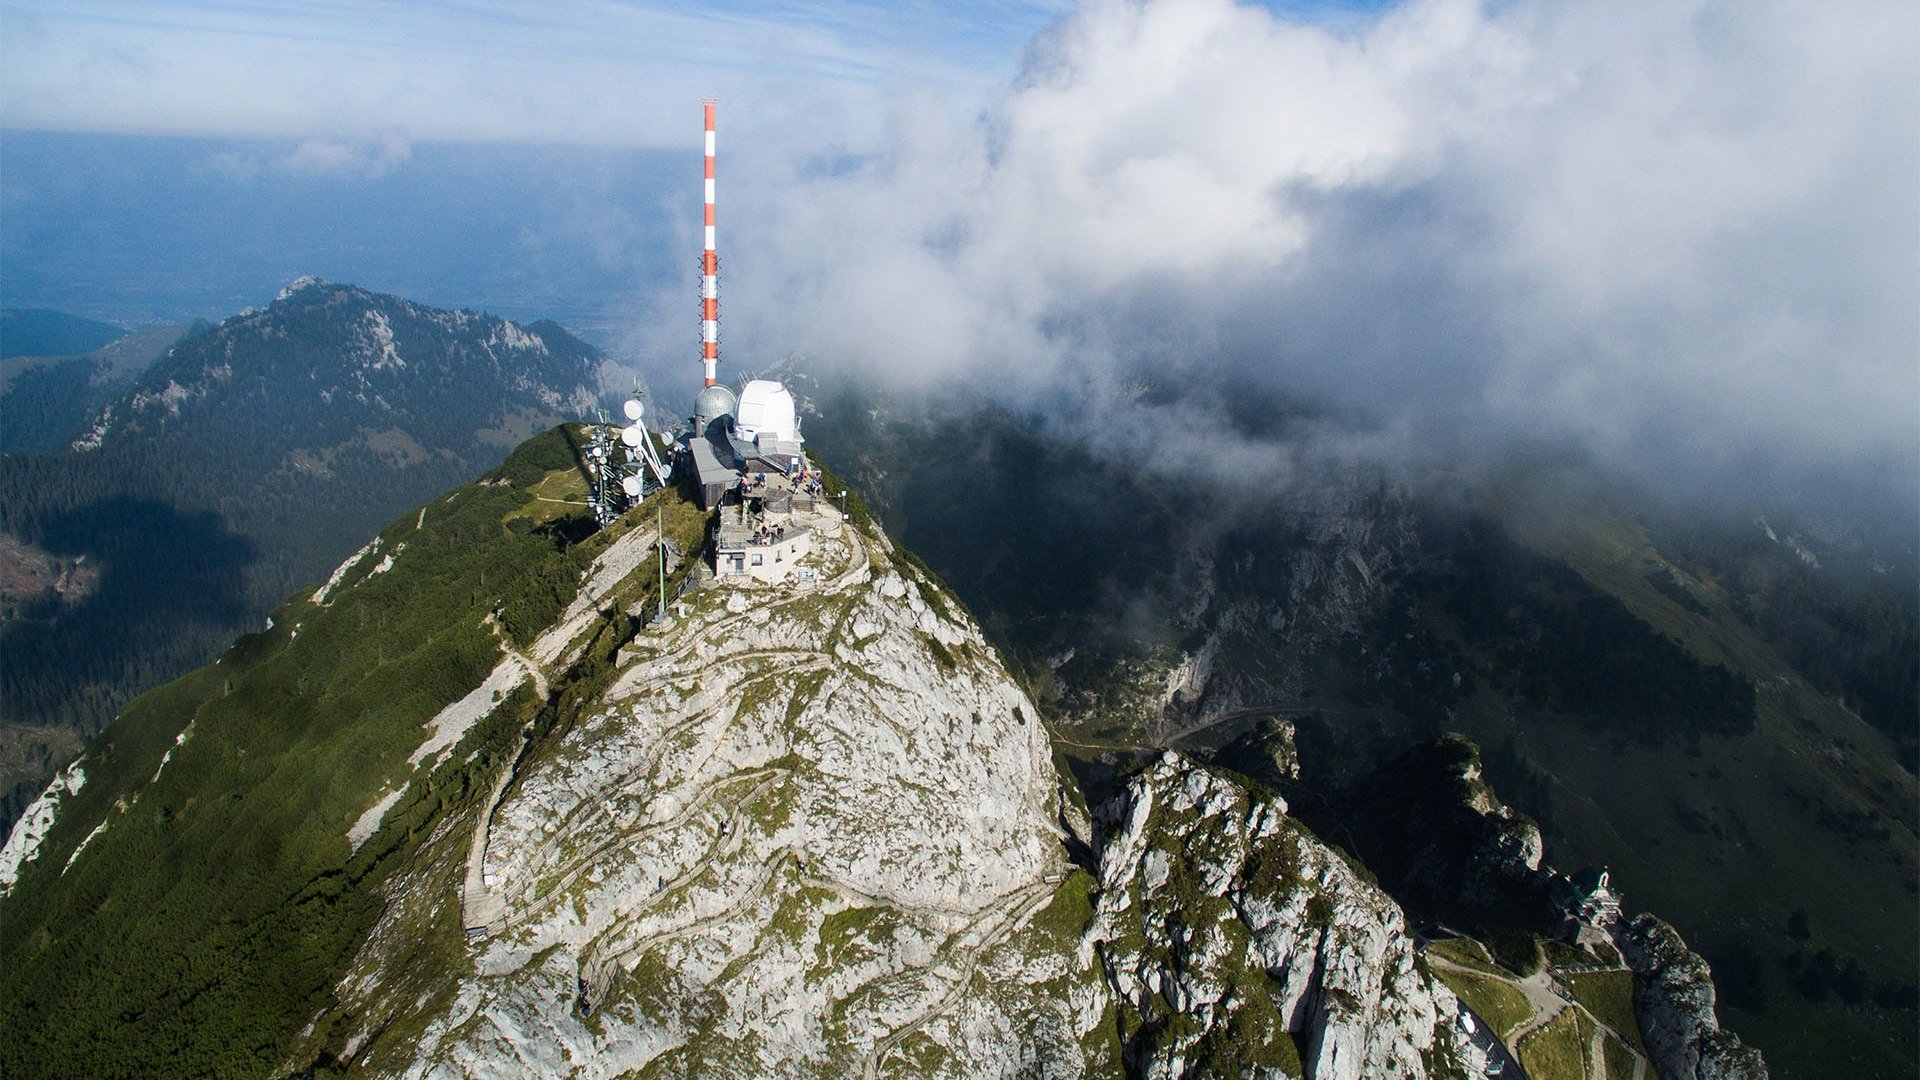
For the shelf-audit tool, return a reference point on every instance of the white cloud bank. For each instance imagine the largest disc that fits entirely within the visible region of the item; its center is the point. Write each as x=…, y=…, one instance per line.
x=1684, y=236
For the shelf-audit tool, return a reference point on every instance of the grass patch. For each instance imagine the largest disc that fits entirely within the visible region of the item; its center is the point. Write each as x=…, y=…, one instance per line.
x=1617, y=1059
x=1463, y=951
x=1502, y=1007
x=845, y=938
x=1608, y=995
x=1555, y=1052
x=940, y=652
x=560, y=493
x=1070, y=910
x=1515, y=949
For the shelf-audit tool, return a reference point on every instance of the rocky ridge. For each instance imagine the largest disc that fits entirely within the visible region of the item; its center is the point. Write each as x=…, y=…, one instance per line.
x=1235, y=939
x=802, y=830
x=797, y=829
x=1674, y=999
x=815, y=832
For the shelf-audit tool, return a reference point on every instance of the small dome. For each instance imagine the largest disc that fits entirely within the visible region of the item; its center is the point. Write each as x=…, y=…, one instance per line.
x=713, y=403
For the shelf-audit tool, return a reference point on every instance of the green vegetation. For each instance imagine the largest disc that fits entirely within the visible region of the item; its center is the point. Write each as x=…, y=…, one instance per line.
x=1070, y=911
x=1475, y=617
x=1531, y=626
x=1556, y=1051
x=1490, y=997
x=926, y=582
x=854, y=506
x=1561, y=954
x=1463, y=951
x=210, y=920
x=1663, y=580
x=1616, y=1059
x=1851, y=625
x=285, y=453
x=940, y=652
x=1516, y=949
x=1256, y=1041
x=1608, y=995
x=1319, y=911
x=844, y=938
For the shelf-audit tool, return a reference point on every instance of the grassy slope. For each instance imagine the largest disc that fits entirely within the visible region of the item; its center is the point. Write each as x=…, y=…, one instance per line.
x=1490, y=997
x=1808, y=786
x=1608, y=995
x=1558, y=1050
x=209, y=921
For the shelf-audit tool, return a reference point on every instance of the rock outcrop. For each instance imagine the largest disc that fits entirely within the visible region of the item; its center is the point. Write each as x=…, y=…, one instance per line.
x=799, y=833
x=1432, y=828
x=1236, y=941
x=817, y=832
x=1674, y=1000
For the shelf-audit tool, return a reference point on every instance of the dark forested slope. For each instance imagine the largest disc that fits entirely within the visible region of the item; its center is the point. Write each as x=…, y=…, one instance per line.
x=1719, y=708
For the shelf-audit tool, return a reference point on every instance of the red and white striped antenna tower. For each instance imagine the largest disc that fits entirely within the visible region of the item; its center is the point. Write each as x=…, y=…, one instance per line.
x=710, y=272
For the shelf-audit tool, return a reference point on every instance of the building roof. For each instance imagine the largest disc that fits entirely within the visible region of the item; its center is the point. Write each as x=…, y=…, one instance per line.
x=766, y=408
x=708, y=466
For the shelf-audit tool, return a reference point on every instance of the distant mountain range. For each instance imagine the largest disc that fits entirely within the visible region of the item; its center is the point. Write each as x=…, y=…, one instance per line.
x=246, y=460
x=40, y=332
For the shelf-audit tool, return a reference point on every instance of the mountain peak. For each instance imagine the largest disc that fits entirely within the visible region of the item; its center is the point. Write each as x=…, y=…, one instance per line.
x=304, y=281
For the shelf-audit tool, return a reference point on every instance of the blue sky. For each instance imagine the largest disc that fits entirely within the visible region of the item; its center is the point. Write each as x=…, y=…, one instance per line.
x=166, y=160
x=591, y=73
x=600, y=73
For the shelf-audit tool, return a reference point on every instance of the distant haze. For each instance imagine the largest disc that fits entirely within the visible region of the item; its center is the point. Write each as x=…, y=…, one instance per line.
x=1679, y=238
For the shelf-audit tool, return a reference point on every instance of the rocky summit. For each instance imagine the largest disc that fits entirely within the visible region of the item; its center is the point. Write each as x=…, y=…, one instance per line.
x=801, y=832
x=509, y=795
x=819, y=832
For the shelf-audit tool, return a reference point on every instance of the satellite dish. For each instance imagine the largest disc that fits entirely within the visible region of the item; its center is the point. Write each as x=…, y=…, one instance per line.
x=632, y=485
x=634, y=435
x=635, y=410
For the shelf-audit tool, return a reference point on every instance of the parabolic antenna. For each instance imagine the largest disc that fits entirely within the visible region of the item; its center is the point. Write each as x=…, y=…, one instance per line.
x=633, y=436
x=631, y=485
x=635, y=410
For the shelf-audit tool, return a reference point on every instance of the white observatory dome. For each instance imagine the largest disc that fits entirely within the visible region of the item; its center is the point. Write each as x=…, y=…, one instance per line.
x=766, y=408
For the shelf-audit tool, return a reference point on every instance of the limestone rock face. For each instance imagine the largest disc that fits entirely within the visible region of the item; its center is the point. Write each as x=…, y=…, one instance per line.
x=1674, y=999
x=818, y=832
x=1230, y=934
x=799, y=833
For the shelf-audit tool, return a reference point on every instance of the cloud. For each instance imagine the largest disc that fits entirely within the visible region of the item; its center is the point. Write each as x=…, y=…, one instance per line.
x=1679, y=237
x=338, y=158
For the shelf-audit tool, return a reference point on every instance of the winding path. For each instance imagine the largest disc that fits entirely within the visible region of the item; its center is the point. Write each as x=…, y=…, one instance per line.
x=990, y=928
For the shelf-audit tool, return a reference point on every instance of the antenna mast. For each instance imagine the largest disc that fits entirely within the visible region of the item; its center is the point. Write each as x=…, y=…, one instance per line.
x=710, y=272
x=660, y=530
